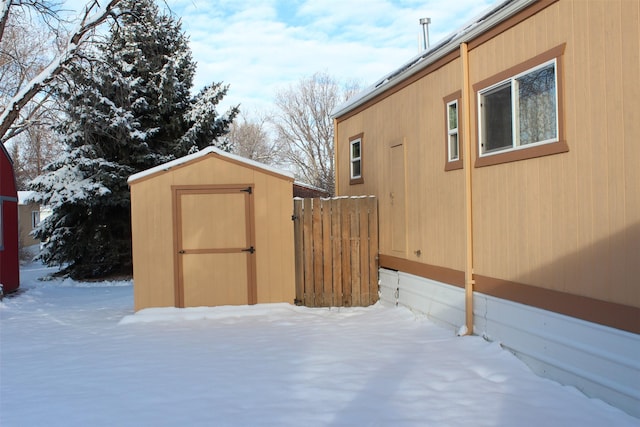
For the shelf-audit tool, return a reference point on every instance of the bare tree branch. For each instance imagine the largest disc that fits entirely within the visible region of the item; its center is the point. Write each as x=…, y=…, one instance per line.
x=92, y=17
x=305, y=129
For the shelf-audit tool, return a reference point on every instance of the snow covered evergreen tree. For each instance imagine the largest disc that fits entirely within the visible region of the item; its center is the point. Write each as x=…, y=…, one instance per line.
x=126, y=112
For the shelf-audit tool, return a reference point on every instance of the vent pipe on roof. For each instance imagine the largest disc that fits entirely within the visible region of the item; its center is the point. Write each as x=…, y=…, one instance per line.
x=425, y=32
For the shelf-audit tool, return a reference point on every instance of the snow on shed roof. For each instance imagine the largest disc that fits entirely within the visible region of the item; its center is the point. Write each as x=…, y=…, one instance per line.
x=205, y=152
x=25, y=197
x=495, y=14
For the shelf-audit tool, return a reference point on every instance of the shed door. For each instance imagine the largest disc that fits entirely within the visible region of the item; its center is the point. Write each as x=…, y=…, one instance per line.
x=215, y=246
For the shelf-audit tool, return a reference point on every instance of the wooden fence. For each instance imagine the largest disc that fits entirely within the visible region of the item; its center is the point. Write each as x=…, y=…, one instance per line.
x=336, y=244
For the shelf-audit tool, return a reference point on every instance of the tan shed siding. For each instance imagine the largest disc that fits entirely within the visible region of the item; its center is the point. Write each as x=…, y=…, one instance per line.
x=153, y=269
x=569, y=222
x=153, y=225
x=274, y=247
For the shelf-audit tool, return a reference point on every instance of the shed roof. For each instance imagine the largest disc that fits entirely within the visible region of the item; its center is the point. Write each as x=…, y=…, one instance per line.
x=25, y=197
x=493, y=16
x=209, y=151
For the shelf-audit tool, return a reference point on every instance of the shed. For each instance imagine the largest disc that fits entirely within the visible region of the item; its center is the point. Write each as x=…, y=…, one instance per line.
x=9, y=262
x=211, y=229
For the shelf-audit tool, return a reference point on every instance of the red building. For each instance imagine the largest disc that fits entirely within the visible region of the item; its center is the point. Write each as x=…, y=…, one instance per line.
x=9, y=265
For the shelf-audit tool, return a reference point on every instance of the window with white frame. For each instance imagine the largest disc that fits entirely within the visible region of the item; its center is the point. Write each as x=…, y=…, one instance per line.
x=355, y=159
x=453, y=145
x=519, y=112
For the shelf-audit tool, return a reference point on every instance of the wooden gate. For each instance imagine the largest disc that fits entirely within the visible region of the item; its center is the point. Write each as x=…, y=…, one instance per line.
x=336, y=243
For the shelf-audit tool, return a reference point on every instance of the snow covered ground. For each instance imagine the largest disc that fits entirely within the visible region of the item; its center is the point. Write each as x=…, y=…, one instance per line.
x=74, y=354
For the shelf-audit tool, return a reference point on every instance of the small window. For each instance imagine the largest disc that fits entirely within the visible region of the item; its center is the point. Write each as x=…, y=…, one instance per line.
x=35, y=219
x=452, y=131
x=355, y=159
x=453, y=156
x=519, y=112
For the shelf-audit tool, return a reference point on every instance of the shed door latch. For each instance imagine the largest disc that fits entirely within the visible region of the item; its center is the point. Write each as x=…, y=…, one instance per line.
x=250, y=250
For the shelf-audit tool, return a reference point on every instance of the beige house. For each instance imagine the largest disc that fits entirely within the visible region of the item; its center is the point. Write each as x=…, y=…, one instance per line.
x=507, y=167
x=29, y=216
x=212, y=229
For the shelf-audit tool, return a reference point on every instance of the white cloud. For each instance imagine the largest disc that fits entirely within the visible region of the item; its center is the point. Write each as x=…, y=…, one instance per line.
x=261, y=46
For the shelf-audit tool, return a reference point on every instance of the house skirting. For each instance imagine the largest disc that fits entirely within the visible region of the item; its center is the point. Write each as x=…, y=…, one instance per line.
x=600, y=361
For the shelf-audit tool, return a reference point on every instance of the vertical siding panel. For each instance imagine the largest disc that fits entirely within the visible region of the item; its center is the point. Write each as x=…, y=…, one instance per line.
x=630, y=241
x=565, y=205
x=615, y=137
x=598, y=249
x=583, y=141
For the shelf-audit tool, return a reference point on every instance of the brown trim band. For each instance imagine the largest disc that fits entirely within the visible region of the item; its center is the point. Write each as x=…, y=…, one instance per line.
x=428, y=271
x=523, y=154
x=605, y=313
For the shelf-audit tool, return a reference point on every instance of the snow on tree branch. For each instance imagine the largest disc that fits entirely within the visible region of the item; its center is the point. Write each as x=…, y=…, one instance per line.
x=92, y=17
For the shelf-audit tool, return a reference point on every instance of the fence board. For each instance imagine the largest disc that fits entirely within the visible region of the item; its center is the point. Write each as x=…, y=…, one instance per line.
x=373, y=250
x=327, y=257
x=308, y=295
x=336, y=256
x=299, y=260
x=336, y=251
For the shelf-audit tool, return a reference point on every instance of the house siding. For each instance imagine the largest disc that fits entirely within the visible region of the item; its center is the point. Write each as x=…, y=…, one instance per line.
x=555, y=237
x=566, y=222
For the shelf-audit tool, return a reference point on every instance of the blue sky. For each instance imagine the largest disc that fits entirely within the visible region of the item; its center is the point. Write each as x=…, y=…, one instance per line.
x=259, y=47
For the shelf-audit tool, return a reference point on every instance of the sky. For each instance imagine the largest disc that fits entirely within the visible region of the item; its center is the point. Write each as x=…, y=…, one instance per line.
x=75, y=354
x=260, y=47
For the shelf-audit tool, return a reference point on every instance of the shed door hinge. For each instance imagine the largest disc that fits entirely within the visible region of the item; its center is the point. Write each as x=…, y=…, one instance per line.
x=250, y=250
x=247, y=190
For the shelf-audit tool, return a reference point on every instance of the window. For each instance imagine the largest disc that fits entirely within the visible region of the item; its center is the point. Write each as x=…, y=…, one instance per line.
x=355, y=159
x=453, y=157
x=519, y=111
x=452, y=131
x=35, y=219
